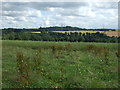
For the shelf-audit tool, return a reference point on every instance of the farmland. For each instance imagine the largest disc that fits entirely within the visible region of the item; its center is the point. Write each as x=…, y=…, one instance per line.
x=43, y=64
x=68, y=33
x=79, y=31
x=113, y=33
x=74, y=31
x=108, y=33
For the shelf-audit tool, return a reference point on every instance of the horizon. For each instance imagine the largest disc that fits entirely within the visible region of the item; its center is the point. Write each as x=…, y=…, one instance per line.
x=59, y=27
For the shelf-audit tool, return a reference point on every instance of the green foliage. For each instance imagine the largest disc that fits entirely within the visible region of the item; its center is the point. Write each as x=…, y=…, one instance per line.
x=59, y=65
x=54, y=36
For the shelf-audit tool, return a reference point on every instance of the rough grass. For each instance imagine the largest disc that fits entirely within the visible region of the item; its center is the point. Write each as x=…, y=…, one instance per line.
x=34, y=64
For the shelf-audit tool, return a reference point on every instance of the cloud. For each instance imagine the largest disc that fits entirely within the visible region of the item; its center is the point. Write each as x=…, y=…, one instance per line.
x=105, y=5
x=81, y=14
x=14, y=6
x=13, y=13
x=29, y=13
x=20, y=6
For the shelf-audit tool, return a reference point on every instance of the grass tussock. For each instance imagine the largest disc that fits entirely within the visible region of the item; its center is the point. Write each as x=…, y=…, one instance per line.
x=101, y=52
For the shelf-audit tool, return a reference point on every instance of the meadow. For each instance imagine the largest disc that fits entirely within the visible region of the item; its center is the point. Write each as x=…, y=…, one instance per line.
x=40, y=64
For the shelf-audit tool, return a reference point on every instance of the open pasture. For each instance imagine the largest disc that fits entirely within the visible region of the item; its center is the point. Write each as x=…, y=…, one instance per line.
x=38, y=64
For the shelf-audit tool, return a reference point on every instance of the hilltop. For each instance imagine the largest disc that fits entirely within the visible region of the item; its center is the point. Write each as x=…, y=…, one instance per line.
x=54, y=28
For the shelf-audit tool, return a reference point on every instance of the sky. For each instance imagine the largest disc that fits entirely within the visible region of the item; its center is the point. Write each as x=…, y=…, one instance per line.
x=90, y=15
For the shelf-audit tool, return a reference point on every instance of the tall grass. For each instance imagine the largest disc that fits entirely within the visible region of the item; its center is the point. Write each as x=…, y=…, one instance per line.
x=59, y=65
x=101, y=52
x=23, y=69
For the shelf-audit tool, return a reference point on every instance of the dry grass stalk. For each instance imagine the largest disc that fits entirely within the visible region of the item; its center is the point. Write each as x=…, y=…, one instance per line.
x=23, y=69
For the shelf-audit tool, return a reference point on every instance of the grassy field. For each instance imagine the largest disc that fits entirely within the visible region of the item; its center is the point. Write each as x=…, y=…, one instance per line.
x=37, y=64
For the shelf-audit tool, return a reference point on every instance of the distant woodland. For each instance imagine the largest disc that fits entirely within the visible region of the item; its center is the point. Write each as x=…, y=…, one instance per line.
x=47, y=34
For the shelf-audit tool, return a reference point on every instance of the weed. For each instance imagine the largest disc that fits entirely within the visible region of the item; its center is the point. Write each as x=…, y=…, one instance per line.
x=106, y=55
x=101, y=52
x=88, y=67
x=40, y=49
x=57, y=51
x=118, y=53
x=23, y=69
x=38, y=61
x=69, y=48
x=54, y=49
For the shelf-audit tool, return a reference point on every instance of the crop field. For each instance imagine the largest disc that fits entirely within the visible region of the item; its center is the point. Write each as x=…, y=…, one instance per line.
x=40, y=64
x=75, y=31
x=108, y=33
x=113, y=33
x=79, y=31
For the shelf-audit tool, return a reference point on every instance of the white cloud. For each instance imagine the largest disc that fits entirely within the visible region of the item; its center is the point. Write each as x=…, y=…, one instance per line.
x=82, y=14
x=33, y=13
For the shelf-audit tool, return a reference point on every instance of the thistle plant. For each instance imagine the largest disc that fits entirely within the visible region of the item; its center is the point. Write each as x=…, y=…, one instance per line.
x=23, y=69
x=69, y=48
x=54, y=49
x=105, y=52
x=118, y=53
x=37, y=61
x=101, y=52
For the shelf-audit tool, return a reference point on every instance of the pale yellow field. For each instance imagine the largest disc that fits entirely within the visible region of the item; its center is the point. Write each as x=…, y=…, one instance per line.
x=79, y=31
x=108, y=33
x=35, y=32
x=75, y=31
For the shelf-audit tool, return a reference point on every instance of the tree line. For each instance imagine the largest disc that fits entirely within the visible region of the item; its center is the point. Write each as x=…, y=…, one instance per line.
x=54, y=36
x=54, y=28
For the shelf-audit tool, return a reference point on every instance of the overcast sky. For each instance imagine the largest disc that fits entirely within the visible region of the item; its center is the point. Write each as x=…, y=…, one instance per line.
x=77, y=14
